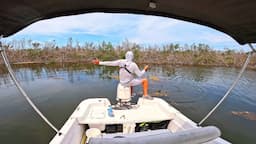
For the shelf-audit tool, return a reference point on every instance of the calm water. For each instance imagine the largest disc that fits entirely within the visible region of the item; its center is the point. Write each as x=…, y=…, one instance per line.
x=57, y=90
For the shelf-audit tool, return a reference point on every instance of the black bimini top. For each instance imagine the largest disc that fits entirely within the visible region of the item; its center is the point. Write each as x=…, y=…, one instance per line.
x=236, y=18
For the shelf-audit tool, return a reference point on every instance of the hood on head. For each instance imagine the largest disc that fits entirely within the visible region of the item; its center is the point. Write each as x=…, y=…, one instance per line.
x=129, y=56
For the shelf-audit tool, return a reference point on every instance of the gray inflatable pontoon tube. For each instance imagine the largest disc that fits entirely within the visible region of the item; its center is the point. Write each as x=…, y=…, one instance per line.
x=191, y=136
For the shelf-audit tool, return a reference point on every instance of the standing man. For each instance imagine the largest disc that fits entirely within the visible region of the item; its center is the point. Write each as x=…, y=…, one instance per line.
x=127, y=71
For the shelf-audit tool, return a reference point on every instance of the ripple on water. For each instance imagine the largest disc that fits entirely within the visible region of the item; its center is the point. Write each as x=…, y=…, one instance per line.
x=192, y=90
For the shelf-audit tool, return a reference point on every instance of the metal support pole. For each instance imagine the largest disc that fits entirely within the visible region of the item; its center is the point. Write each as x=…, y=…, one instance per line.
x=251, y=46
x=16, y=82
x=231, y=87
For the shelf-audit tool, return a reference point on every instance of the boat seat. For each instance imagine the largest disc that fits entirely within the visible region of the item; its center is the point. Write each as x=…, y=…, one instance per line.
x=123, y=93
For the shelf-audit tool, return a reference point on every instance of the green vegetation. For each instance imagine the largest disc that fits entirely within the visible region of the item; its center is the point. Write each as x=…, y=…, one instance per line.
x=26, y=51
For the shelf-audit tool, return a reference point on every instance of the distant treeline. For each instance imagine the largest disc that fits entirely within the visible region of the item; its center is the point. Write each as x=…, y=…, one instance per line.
x=27, y=51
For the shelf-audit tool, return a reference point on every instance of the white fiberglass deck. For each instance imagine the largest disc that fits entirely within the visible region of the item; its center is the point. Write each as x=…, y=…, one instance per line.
x=145, y=110
x=94, y=112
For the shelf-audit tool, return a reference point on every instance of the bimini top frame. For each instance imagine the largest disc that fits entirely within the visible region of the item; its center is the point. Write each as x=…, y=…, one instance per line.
x=236, y=18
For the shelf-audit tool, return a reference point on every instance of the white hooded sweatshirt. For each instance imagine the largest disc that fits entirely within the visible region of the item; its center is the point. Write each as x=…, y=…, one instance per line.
x=127, y=69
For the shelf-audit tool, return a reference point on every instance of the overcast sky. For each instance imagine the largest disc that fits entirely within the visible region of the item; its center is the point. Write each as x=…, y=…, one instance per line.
x=115, y=28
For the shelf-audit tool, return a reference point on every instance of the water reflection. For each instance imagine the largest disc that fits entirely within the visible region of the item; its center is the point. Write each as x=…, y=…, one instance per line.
x=32, y=72
x=58, y=89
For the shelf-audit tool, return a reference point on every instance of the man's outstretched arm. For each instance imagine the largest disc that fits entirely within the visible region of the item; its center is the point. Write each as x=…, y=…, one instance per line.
x=106, y=63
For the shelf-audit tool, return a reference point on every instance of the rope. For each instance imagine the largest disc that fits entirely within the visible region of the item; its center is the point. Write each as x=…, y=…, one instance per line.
x=231, y=87
x=8, y=66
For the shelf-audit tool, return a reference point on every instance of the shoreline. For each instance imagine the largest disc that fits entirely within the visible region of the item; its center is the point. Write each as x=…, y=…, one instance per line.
x=149, y=63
